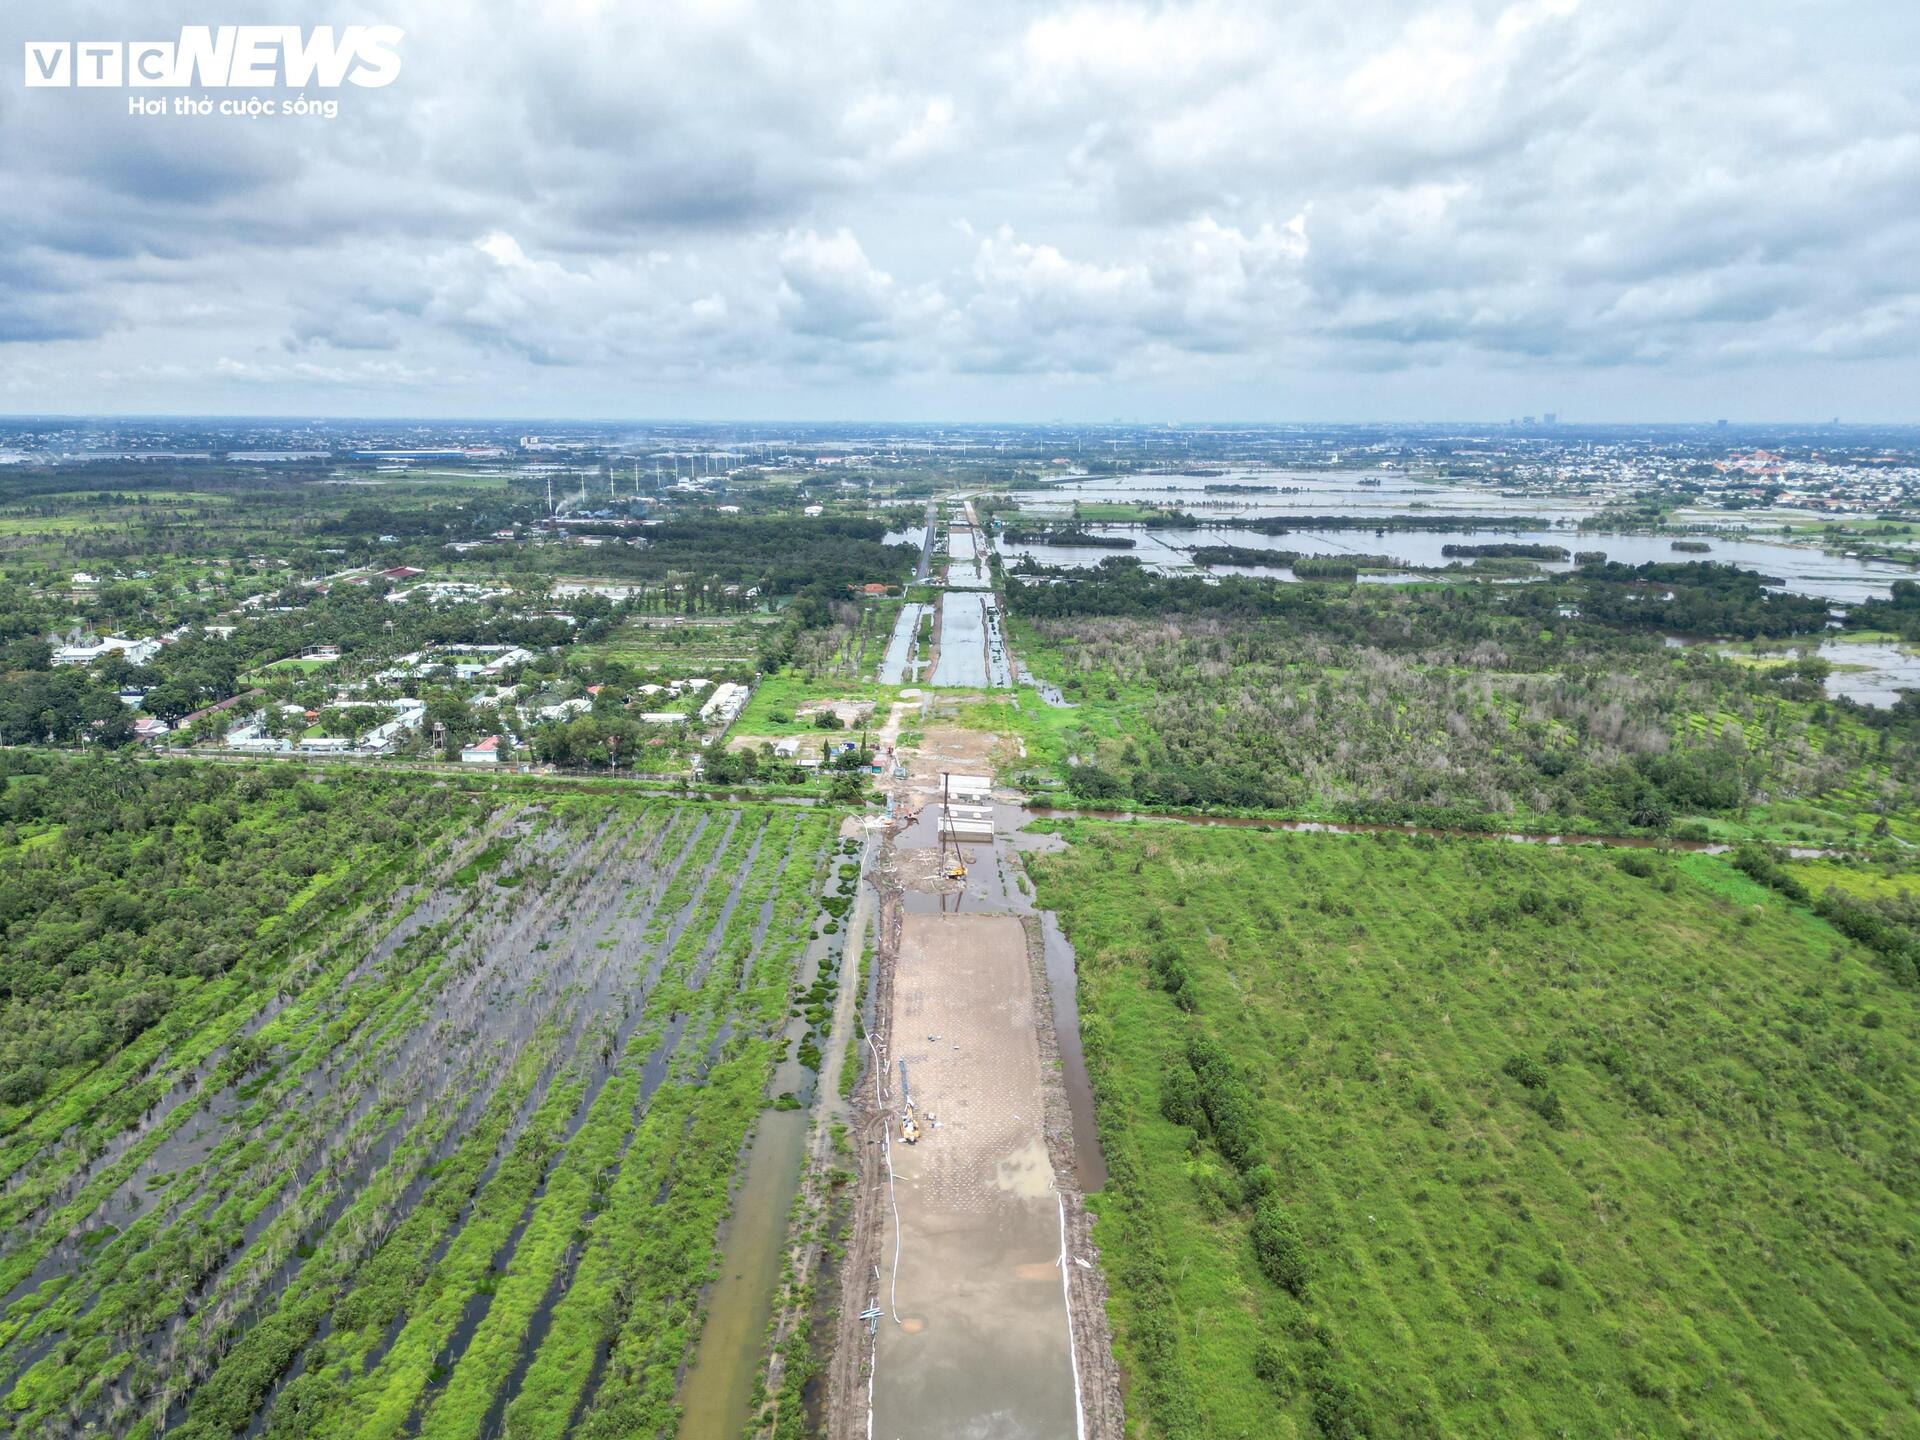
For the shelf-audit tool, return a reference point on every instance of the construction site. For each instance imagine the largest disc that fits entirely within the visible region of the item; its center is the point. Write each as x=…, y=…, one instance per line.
x=971, y=1302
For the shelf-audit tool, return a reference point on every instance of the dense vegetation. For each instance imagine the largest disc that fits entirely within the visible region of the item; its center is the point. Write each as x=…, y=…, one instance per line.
x=1469, y=1138
x=126, y=890
x=1463, y=704
x=1505, y=550
x=780, y=555
x=1064, y=535
x=1304, y=566
x=306, y=600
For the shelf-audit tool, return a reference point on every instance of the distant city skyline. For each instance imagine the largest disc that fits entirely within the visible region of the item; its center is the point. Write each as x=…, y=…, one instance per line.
x=1202, y=212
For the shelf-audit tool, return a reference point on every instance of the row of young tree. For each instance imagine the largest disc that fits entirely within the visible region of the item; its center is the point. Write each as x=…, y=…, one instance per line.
x=144, y=882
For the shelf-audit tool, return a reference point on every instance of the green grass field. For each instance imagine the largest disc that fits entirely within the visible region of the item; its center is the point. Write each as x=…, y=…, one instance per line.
x=682, y=647
x=1471, y=1138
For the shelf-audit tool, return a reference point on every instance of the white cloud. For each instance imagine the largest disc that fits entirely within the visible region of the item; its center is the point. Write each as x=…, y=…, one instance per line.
x=1172, y=197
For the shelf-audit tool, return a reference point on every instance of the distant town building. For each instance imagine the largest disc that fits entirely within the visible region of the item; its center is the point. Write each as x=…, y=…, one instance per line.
x=482, y=752
x=723, y=707
x=138, y=652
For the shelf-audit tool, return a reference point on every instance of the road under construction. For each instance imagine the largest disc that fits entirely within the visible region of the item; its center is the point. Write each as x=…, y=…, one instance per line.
x=972, y=1305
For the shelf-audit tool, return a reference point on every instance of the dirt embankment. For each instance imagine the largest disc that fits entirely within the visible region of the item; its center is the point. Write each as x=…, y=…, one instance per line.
x=852, y=1358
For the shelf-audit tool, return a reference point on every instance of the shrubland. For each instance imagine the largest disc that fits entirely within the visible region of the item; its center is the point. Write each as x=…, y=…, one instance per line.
x=1466, y=1137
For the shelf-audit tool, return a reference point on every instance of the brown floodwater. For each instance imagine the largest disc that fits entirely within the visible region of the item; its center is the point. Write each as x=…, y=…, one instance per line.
x=718, y=1390
x=1063, y=981
x=717, y=1393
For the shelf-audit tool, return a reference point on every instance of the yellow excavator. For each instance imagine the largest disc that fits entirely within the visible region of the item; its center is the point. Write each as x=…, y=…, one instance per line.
x=909, y=1126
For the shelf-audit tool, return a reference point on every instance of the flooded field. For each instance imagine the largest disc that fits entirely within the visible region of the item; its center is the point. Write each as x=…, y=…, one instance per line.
x=721, y=1388
x=1551, y=519
x=1869, y=672
x=1872, y=673
x=462, y=1176
x=967, y=567
x=1802, y=569
x=894, y=665
x=1311, y=492
x=717, y=1396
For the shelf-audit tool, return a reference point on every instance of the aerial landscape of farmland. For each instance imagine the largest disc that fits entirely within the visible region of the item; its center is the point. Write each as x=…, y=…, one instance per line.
x=1467, y=1137
x=471, y=1113
x=664, y=970
x=1116, y=720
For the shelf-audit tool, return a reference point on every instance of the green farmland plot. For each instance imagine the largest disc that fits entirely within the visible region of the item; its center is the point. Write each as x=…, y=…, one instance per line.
x=442, y=1148
x=1469, y=1138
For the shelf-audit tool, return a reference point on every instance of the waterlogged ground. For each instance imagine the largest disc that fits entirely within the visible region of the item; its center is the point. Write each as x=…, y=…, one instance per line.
x=1802, y=569
x=460, y=1169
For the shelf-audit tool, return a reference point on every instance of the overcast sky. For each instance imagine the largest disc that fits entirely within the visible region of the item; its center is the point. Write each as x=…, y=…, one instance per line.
x=1615, y=209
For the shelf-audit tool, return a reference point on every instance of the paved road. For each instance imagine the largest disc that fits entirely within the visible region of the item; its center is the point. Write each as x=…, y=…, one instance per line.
x=926, y=547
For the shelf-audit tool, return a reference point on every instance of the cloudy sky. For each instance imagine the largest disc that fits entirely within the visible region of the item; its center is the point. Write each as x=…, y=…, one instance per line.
x=1359, y=209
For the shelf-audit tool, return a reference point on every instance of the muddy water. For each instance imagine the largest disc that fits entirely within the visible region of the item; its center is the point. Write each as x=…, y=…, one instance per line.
x=718, y=1392
x=1064, y=983
x=441, y=1059
x=718, y=1389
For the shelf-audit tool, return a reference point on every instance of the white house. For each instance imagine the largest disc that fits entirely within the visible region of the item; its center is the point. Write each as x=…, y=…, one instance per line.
x=138, y=652
x=565, y=709
x=482, y=752
x=723, y=707
x=407, y=715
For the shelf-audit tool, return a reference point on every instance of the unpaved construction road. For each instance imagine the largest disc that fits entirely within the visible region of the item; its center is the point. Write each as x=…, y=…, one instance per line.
x=972, y=1245
x=982, y=1343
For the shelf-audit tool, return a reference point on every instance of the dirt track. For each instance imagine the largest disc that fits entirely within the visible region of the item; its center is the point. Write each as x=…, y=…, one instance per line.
x=979, y=1288
x=974, y=1286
